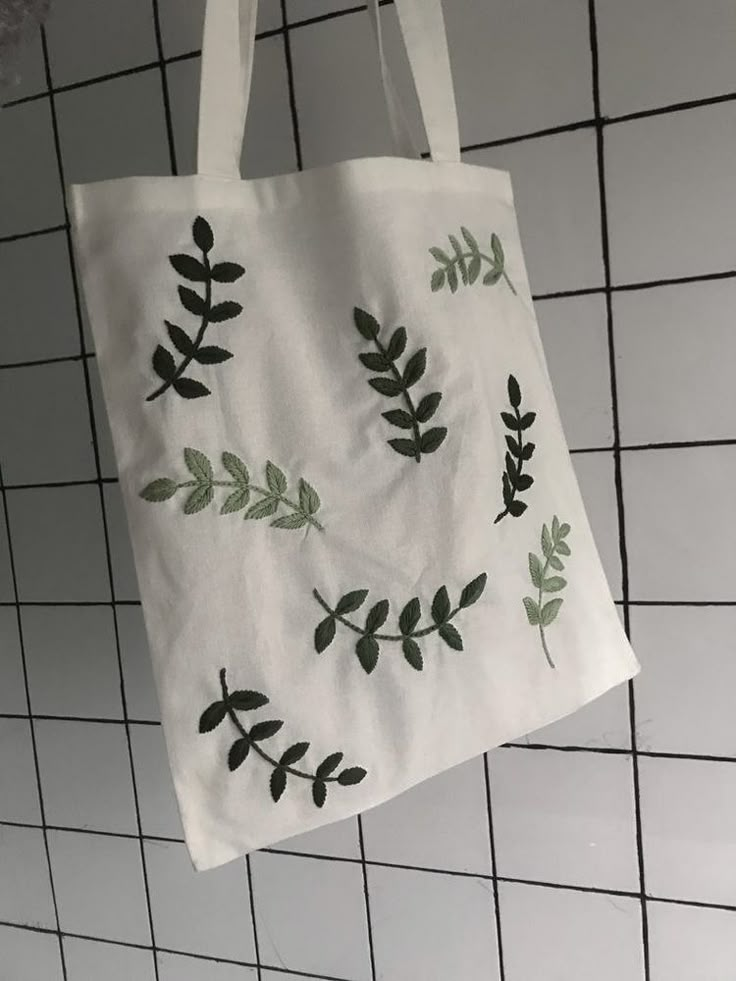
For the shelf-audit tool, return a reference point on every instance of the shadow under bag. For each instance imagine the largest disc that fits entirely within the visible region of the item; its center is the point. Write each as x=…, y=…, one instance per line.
x=361, y=548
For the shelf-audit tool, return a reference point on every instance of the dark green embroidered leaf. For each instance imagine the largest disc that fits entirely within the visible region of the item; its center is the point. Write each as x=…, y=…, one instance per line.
x=474, y=269
x=508, y=492
x=226, y=272
x=556, y=563
x=510, y=469
x=212, y=355
x=198, y=465
x=202, y=234
x=192, y=301
x=188, y=388
x=199, y=499
x=212, y=716
x=397, y=344
x=527, y=450
x=451, y=636
x=351, y=601
x=473, y=591
x=440, y=256
x=440, y=605
x=263, y=508
x=225, y=311
x=415, y=367
x=245, y=700
x=277, y=783
x=290, y=521
x=513, y=446
x=163, y=363
x=492, y=277
x=432, y=439
x=470, y=240
x=517, y=508
x=563, y=548
x=367, y=651
x=438, y=280
x=412, y=653
x=264, y=730
x=524, y=481
x=509, y=420
x=319, y=792
x=386, y=386
x=159, y=490
x=535, y=570
x=410, y=616
x=328, y=764
x=497, y=250
x=309, y=500
x=514, y=392
x=180, y=339
x=375, y=362
x=275, y=478
x=553, y=584
x=376, y=616
x=324, y=634
x=366, y=324
x=407, y=447
x=549, y=611
x=546, y=541
x=235, y=467
x=293, y=754
x=189, y=267
x=238, y=752
x=400, y=418
x=428, y=406
x=532, y=610
x=527, y=419
x=350, y=776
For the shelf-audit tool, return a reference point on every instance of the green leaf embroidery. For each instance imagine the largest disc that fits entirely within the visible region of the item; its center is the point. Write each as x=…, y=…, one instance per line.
x=201, y=492
x=538, y=613
x=514, y=481
x=200, y=271
x=465, y=264
x=367, y=647
x=398, y=385
x=251, y=739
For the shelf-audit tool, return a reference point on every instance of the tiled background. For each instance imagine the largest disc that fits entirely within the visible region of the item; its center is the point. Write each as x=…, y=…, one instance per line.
x=602, y=847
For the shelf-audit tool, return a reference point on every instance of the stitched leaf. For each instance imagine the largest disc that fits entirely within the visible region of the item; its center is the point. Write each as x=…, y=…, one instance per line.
x=412, y=653
x=410, y=616
x=459, y=258
x=319, y=792
x=527, y=451
x=415, y=367
x=376, y=616
x=367, y=651
x=235, y=501
x=386, y=386
x=397, y=344
x=238, y=752
x=513, y=446
x=351, y=601
x=451, y=636
x=527, y=419
x=563, y=548
x=470, y=240
x=432, y=439
x=554, y=584
x=375, y=362
x=350, y=776
x=180, y=339
x=546, y=541
x=497, y=250
x=245, y=700
x=198, y=465
x=328, y=764
x=438, y=280
x=293, y=754
x=556, y=563
x=275, y=478
x=473, y=591
x=212, y=716
x=509, y=420
x=555, y=528
x=290, y=521
x=440, y=605
x=492, y=277
x=324, y=634
x=524, y=481
x=400, y=418
x=202, y=234
x=366, y=324
x=474, y=269
x=277, y=783
x=188, y=388
x=263, y=508
x=198, y=500
x=264, y=730
x=532, y=610
x=224, y=311
x=226, y=272
x=440, y=256
x=535, y=570
x=407, y=447
x=451, y=278
x=189, y=267
x=564, y=530
x=192, y=301
x=159, y=490
x=508, y=492
x=212, y=355
x=510, y=469
x=517, y=508
x=549, y=611
x=163, y=363
x=235, y=467
x=514, y=392
x=428, y=406
x=309, y=500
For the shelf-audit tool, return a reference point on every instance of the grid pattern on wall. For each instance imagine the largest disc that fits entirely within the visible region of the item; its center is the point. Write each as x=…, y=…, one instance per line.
x=602, y=846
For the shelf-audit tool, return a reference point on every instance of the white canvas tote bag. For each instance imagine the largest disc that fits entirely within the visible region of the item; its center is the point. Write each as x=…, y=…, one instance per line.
x=361, y=549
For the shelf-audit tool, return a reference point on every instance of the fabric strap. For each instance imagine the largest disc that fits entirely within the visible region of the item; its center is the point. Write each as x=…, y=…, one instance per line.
x=227, y=65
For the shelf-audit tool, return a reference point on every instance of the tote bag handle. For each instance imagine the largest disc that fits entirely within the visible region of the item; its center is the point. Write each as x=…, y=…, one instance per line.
x=227, y=64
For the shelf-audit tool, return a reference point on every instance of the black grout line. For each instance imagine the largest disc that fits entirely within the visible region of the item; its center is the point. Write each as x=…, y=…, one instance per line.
x=494, y=869
x=164, y=87
x=366, y=895
x=101, y=488
x=618, y=477
x=253, y=922
x=42, y=361
x=21, y=236
x=292, y=92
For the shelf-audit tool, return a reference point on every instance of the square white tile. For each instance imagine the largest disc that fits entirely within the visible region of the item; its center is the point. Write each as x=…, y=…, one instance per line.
x=555, y=181
x=574, y=335
x=671, y=210
x=441, y=823
x=156, y=797
x=555, y=934
x=89, y=960
x=30, y=956
x=58, y=560
x=182, y=23
x=177, y=967
x=339, y=839
x=7, y=592
x=604, y=722
x=72, y=661
x=432, y=926
x=183, y=902
x=664, y=51
x=595, y=475
x=25, y=887
x=310, y=915
x=691, y=944
x=30, y=191
x=114, y=129
x=564, y=817
x=89, y=38
x=99, y=886
x=108, y=467
x=12, y=685
x=684, y=693
x=44, y=424
x=666, y=491
x=38, y=299
x=18, y=786
x=672, y=342
x=140, y=688
x=123, y=566
x=687, y=811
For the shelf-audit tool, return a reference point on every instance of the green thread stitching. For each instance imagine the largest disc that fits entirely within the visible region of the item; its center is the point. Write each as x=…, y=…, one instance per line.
x=367, y=647
x=553, y=546
x=193, y=270
x=273, y=495
x=385, y=361
x=245, y=701
x=513, y=480
x=469, y=263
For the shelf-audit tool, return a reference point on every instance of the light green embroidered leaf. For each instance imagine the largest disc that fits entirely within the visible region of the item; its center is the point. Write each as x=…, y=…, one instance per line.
x=438, y=280
x=407, y=447
x=497, y=250
x=546, y=541
x=441, y=605
x=309, y=500
x=400, y=418
x=535, y=570
x=564, y=530
x=432, y=439
x=159, y=490
x=386, y=386
x=459, y=259
x=275, y=478
x=352, y=601
x=366, y=324
x=163, y=363
x=188, y=267
x=412, y=653
x=293, y=754
x=263, y=508
x=473, y=591
x=440, y=256
x=235, y=501
x=451, y=636
x=532, y=610
x=474, y=269
x=397, y=344
x=328, y=765
x=375, y=362
x=290, y=521
x=324, y=634
x=236, y=468
x=410, y=616
x=556, y=563
x=198, y=500
x=428, y=406
x=202, y=234
x=198, y=465
x=192, y=301
x=563, y=548
x=350, y=776
x=376, y=616
x=238, y=753
x=277, y=783
x=553, y=584
x=550, y=611
x=492, y=277
x=226, y=272
x=180, y=339
x=470, y=240
x=451, y=278
x=319, y=793
x=555, y=528
x=367, y=651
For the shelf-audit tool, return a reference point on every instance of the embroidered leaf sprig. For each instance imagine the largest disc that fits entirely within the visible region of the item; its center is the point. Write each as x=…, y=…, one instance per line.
x=203, y=272
x=514, y=482
x=465, y=264
x=300, y=512
x=541, y=614
x=367, y=648
x=383, y=360
x=252, y=739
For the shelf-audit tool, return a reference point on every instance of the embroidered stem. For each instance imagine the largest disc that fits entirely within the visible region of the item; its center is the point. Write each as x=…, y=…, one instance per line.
x=553, y=546
x=513, y=480
x=254, y=488
x=469, y=263
x=547, y=654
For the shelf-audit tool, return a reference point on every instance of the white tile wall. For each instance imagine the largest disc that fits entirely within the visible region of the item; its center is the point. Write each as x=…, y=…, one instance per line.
x=409, y=892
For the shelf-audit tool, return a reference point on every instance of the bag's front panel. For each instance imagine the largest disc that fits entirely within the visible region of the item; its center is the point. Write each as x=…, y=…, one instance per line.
x=347, y=486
